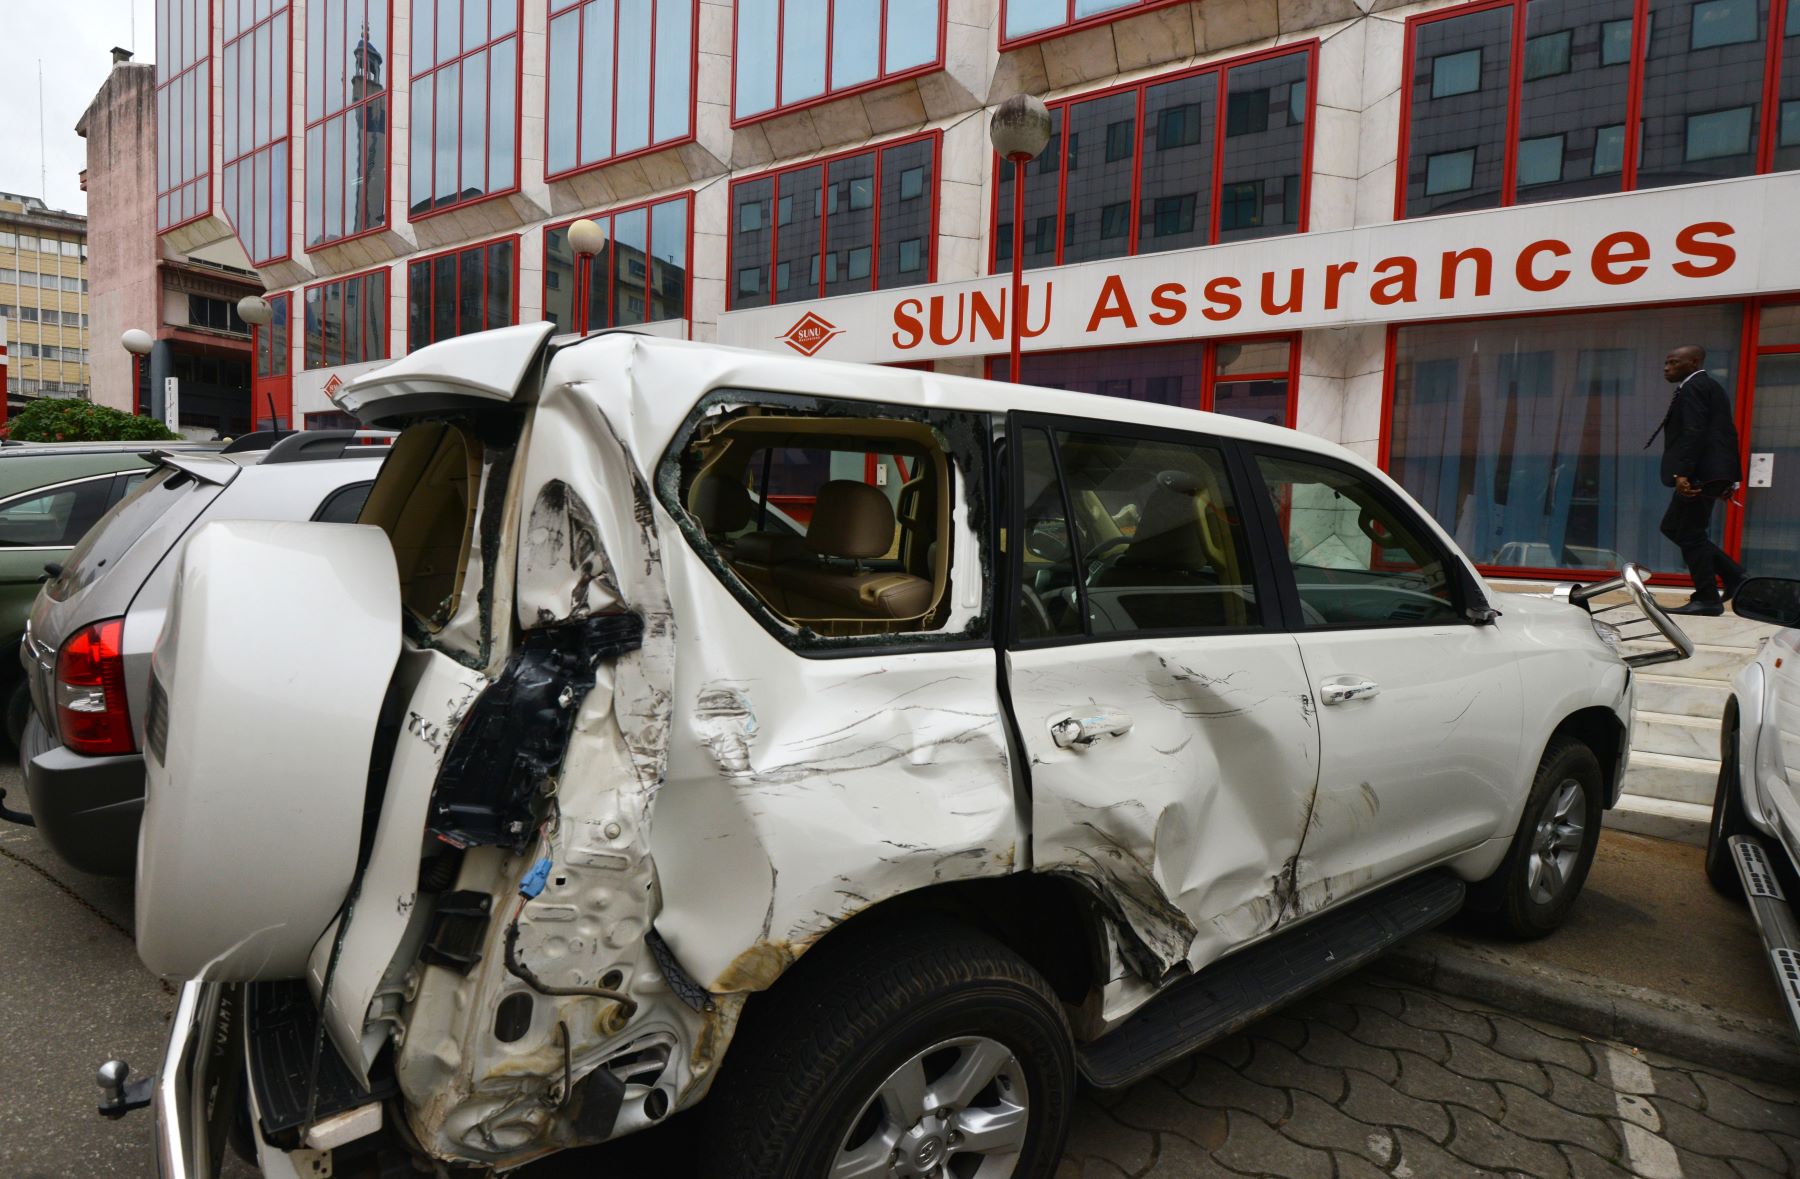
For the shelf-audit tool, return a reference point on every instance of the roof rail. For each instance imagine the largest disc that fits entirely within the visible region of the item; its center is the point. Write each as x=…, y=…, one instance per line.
x=255, y=440
x=305, y=446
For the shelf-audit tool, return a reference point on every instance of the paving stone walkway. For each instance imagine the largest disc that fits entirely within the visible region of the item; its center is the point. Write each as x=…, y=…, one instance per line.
x=1373, y=1077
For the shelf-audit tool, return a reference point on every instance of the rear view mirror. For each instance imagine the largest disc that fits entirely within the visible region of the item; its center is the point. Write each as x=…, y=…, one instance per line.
x=1769, y=599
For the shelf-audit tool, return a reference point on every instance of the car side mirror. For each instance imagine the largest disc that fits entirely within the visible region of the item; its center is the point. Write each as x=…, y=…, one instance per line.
x=1769, y=599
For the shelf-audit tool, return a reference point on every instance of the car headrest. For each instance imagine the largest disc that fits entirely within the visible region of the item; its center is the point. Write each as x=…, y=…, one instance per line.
x=850, y=519
x=720, y=505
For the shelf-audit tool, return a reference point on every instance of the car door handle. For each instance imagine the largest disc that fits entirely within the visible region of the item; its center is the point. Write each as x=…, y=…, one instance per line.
x=1079, y=732
x=1341, y=689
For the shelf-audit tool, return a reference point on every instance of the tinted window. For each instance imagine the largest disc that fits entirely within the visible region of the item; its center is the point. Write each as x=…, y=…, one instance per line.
x=1134, y=534
x=114, y=533
x=1356, y=560
x=56, y=517
x=344, y=505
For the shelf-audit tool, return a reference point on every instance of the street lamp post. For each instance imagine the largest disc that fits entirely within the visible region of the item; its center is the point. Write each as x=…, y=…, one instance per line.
x=138, y=342
x=586, y=238
x=255, y=311
x=1019, y=130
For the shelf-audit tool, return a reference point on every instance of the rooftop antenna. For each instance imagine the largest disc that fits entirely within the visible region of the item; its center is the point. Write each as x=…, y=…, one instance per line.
x=43, y=175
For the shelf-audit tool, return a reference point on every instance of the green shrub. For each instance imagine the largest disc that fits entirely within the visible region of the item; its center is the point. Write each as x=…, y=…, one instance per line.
x=59, y=420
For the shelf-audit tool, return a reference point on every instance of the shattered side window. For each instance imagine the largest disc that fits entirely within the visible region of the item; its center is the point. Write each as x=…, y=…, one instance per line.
x=838, y=526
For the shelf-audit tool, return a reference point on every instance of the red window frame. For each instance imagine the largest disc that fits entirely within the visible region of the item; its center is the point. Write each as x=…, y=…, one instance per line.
x=882, y=77
x=1223, y=66
x=203, y=149
x=824, y=163
x=517, y=36
x=259, y=158
x=387, y=156
x=431, y=300
x=584, y=286
x=580, y=7
x=267, y=345
x=1075, y=24
x=997, y=365
x=1767, y=130
x=383, y=346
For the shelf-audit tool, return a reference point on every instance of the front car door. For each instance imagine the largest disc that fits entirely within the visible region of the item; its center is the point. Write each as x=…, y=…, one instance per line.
x=1170, y=735
x=1420, y=697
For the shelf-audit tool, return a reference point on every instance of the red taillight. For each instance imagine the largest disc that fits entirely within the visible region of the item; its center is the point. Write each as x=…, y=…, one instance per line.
x=90, y=691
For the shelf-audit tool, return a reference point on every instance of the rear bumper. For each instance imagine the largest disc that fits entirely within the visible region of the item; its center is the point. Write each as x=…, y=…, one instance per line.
x=87, y=808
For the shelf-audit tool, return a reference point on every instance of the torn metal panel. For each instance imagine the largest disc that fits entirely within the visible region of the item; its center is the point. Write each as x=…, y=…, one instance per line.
x=1157, y=822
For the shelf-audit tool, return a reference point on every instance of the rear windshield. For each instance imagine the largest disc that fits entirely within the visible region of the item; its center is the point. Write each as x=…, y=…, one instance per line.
x=113, y=534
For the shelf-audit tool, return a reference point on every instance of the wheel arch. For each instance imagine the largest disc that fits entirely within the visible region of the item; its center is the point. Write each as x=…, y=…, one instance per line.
x=1600, y=729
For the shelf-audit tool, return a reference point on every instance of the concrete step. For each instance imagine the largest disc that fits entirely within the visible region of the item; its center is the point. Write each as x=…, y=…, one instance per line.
x=1727, y=630
x=1683, y=821
x=1666, y=732
x=1708, y=662
x=1671, y=778
x=1661, y=692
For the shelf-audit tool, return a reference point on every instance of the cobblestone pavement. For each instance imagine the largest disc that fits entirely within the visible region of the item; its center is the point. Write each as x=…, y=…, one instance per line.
x=1373, y=1077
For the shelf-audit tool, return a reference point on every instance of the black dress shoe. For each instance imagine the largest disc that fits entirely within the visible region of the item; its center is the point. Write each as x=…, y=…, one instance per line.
x=1696, y=607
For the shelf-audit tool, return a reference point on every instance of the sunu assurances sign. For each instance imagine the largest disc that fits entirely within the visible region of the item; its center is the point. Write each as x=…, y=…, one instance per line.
x=1717, y=240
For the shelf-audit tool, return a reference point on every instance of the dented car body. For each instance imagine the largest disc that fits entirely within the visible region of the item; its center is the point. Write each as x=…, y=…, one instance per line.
x=657, y=674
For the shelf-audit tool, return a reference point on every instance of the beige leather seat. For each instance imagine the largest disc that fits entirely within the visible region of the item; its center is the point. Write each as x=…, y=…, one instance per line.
x=851, y=522
x=723, y=507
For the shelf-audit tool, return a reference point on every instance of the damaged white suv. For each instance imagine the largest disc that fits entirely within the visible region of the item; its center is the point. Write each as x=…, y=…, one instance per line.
x=858, y=754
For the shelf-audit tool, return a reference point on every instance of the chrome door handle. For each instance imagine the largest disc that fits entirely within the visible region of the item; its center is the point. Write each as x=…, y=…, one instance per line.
x=1342, y=689
x=1079, y=732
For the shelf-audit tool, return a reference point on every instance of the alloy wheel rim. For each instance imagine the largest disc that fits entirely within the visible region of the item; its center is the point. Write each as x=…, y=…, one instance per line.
x=1556, y=842
x=956, y=1110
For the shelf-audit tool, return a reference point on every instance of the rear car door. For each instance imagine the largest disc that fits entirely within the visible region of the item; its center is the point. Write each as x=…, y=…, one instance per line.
x=1170, y=734
x=1419, y=693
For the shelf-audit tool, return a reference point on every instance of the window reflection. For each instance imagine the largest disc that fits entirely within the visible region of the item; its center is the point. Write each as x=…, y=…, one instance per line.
x=1525, y=437
x=1248, y=379
x=465, y=102
x=813, y=231
x=183, y=114
x=1162, y=137
x=1455, y=145
x=254, y=191
x=346, y=134
x=789, y=52
x=639, y=276
x=462, y=291
x=620, y=79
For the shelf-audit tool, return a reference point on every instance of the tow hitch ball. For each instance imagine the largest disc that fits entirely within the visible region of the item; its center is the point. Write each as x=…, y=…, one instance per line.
x=119, y=1092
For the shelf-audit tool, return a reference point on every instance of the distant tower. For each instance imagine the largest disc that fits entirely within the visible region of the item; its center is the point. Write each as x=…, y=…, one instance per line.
x=369, y=178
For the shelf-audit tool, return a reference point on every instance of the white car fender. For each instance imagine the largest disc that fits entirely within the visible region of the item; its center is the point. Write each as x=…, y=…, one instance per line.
x=1750, y=689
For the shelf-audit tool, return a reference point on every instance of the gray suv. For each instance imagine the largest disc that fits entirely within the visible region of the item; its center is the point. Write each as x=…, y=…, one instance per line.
x=86, y=649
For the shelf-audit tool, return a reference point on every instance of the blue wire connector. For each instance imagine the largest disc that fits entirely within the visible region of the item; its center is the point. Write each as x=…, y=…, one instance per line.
x=535, y=879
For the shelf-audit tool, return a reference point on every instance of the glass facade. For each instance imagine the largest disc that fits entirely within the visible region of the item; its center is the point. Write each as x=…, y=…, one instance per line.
x=1525, y=437
x=790, y=52
x=870, y=216
x=465, y=102
x=346, y=320
x=462, y=291
x=183, y=111
x=1484, y=130
x=621, y=79
x=1197, y=178
x=272, y=340
x=1024, y=19
x=639, y=276
x=347, y=46
x=254, y=76
x=1252, y=379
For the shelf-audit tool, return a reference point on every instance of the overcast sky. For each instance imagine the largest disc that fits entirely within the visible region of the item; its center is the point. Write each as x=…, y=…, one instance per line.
x=73, y=38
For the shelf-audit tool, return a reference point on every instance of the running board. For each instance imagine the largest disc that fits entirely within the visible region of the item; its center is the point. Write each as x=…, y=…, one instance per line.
x=1774, y=918
x=1238, y=990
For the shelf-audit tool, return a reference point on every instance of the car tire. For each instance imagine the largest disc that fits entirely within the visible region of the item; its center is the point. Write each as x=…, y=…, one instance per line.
x=18, y=712
x=1728, y=818
x=1530, y=894
x=923, y=1038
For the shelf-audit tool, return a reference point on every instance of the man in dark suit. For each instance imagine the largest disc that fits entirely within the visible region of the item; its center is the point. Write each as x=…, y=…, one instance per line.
x=1700, y=461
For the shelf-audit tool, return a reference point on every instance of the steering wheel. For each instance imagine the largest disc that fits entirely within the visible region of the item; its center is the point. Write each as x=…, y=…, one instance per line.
x=1098, y=553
